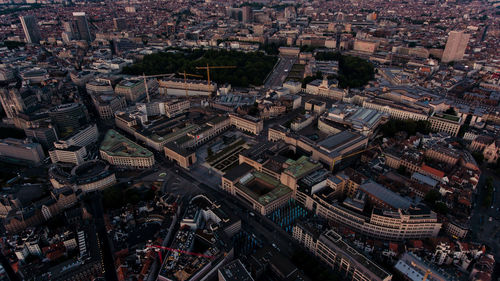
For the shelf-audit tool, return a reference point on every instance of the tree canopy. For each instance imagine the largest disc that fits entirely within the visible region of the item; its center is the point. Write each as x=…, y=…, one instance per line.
x=251, y=68
x=354, y=72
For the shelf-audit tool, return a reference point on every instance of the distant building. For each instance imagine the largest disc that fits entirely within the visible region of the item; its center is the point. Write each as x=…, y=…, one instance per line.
x=30, y=28
x=455, y=46
x=80, y=27
x=44, y=134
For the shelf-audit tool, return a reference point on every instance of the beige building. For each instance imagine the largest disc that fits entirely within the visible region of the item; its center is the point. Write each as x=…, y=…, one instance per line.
x=181, y=156
x=325, y=88
x=122, y=152
x=395, y=110
x=339, y=255
x=107, y=104
x=132, y=90
x=73, y=154
x=176, y=107
x=441, y=122
x=247, y=123
x=365, y=46
x=455, y=46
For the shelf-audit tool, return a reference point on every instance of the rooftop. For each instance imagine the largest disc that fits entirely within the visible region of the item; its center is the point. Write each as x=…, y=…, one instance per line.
x=115, y=144
x=262, y=188
x=301, y=167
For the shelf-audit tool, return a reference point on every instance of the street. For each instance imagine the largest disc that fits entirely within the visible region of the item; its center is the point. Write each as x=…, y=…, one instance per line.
x=280, y=72
x=484, y=230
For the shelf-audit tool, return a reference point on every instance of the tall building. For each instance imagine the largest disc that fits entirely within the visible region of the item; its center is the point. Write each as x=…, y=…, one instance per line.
x=30, y=28
x=455, y=46
x=247, y=15
x=80, y=27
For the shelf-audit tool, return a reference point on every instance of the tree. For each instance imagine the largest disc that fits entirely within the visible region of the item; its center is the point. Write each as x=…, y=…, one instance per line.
x=432, y=196
x=451, y=111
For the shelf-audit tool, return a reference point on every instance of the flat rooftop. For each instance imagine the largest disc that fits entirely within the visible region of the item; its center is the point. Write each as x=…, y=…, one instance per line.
x=262, y=188
x=115, y=144
x=301, y=167
x=335, y=242
x=385, y=195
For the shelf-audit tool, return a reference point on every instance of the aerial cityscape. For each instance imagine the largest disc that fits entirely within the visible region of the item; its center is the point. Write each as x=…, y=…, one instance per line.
x=242, y=140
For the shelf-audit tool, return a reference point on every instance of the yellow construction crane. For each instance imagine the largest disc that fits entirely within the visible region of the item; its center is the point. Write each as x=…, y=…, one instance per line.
x=341, y=157
x=144, y=76
x=213, y=67
x=427, y=271
x=185, y=80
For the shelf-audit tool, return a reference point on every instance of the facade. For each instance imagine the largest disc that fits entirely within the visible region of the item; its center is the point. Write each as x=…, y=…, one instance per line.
x=73, y=154
x=247, y=123
x=339, y=255
x=325, y=88
x=83, y=137
x=176, y=107
x=24, y=150
x=395, y=110
x=122, y=152
x=441, y=122
x=30, y=28
x=177, y=87
x=455, y=46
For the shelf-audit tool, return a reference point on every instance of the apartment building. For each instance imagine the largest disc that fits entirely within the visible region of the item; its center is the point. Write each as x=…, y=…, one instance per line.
x=339, y=255
x=441, y=122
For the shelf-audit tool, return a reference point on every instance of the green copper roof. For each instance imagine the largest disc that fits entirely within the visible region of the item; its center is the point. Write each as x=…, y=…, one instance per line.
x=115, y=144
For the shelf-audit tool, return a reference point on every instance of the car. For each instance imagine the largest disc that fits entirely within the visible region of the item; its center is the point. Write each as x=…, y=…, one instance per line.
x=251, y=214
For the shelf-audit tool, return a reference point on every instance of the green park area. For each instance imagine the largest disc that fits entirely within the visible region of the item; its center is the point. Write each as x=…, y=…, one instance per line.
x=251, y=68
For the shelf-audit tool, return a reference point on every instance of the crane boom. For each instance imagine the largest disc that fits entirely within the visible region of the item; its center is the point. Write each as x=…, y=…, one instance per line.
x=214, y=67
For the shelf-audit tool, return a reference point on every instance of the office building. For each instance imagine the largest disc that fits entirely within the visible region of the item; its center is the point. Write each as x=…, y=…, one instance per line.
x=44, y=134
x=107, y=104
x=122, y=152
x=455, y=46
x=80, y=27
x=441, y=122
x=73, y=154
x=339, y=255
x=30, y=28
x=132, y=90
x=69, y=117
x=181, y=156
x=25, y=150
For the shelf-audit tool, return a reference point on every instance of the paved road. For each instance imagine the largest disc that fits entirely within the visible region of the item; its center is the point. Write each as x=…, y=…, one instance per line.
x=280, y=72
x=482, y=229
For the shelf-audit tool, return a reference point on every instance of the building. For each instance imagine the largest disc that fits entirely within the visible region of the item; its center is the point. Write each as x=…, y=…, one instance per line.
x=339, y=255
x=262, y=191
x=441, y=122
x=234, y=271
x=247, y=123
x=24, y=150
x=99, y=86
x=455, y=46
x=69, y=117
x=80, y=27
x=107, y=104
x=44, y=134
x=183, y=157
x=365, y=46
x=86, y=177
x=315, y=106
x=122, y=152
x=176, y=107
x=73, y=154
x=15, y=101
x=132, y=90
x=396, y=110
x=30, y=28
x=178, y=87
x=325, y=88
x=414, y=269
x=83, y=137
